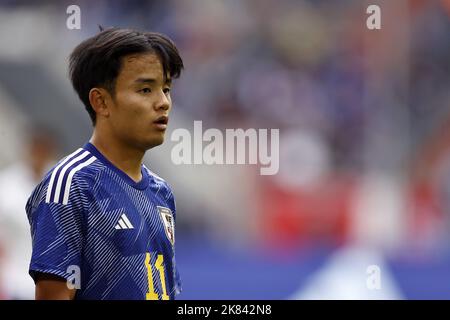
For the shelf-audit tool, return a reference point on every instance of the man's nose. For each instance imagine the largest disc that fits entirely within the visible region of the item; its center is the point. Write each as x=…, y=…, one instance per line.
x=163, y=102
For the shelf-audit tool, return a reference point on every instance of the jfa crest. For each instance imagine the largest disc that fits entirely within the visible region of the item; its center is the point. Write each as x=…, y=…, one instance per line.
x=169, y=224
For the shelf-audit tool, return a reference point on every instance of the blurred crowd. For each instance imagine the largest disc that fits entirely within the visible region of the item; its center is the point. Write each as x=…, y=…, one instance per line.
x=364, y=116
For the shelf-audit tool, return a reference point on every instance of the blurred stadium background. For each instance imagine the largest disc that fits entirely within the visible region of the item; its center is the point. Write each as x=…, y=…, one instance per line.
x=364, y=119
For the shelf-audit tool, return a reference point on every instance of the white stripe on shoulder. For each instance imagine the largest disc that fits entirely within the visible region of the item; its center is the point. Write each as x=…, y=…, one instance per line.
x=71, y=174
x=63, y=171
x=52, y=178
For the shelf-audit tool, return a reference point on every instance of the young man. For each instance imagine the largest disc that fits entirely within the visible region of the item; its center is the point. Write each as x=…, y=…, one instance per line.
x=102, y=224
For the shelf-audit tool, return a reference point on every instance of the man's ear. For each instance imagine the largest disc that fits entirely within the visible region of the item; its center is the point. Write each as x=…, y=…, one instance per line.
x=99, y=97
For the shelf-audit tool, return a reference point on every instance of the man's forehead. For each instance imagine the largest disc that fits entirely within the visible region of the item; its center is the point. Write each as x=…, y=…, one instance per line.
x=139, y=64
x=147, y=57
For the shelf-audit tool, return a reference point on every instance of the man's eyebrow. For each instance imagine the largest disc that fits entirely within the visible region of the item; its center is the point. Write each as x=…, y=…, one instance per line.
x=151, y=80
x=145, y=80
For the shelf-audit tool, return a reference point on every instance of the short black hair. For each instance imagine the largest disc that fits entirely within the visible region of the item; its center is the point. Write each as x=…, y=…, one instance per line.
x=96, y=62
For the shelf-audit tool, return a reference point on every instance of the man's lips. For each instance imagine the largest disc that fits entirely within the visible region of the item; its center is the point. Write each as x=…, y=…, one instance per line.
x=161, y=122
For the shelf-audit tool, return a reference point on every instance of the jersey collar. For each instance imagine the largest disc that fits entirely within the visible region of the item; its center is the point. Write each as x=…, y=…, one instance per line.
x=137, y=185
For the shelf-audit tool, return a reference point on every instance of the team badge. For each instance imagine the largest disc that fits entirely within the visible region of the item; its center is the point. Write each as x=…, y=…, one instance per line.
x=168, y=221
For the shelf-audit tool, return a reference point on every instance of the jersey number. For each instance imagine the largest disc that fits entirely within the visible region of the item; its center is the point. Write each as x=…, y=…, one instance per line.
x=159, y=265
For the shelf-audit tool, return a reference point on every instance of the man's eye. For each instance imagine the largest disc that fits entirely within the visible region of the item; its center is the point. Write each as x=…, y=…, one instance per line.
x=146, y=90
x=166, y=90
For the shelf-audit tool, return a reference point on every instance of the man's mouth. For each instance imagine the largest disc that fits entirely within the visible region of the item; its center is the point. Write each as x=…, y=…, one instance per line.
x=161, y=122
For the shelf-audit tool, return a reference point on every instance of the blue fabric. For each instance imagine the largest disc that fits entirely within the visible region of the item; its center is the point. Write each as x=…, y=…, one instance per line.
x=108, y=228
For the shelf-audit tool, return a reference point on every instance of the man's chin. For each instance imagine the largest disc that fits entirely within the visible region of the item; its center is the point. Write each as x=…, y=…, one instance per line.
x=157, y=141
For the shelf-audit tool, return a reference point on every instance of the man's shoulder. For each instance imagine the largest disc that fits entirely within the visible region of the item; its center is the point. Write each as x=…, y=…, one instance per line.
x=72, y=176
x=164, y=189
x=156, y=178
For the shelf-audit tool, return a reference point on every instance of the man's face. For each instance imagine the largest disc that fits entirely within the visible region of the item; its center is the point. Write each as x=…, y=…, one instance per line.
x=142, y=102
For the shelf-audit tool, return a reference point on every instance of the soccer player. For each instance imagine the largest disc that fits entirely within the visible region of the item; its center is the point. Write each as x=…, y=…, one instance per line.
x=102, y=224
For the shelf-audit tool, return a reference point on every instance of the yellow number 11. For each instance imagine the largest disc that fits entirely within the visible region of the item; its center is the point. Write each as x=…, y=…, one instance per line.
x=152, y=295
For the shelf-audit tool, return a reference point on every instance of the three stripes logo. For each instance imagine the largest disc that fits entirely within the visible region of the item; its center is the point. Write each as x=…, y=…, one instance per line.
x=123, y=223
x=61, y=179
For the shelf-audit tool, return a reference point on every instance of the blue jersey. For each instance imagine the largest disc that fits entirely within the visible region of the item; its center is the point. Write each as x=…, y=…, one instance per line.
x=111, y=237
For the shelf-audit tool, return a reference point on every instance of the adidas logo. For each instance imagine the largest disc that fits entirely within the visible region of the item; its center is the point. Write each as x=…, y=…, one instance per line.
x=124, y=223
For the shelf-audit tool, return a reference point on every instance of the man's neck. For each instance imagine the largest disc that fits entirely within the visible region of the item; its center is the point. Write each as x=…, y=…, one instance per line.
x=127, y=159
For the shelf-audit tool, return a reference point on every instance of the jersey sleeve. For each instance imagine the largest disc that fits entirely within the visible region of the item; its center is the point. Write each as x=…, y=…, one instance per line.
x=57, y=233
